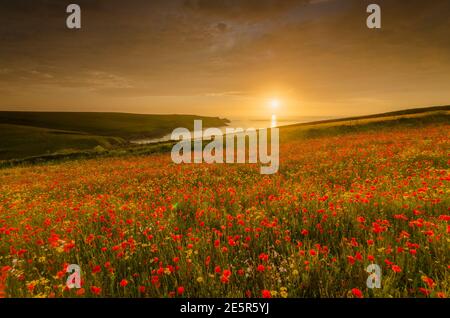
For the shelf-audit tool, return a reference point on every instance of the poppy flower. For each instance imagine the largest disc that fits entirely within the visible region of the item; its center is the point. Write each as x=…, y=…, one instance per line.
x=155, y=280
x=357, y=293
x=425, y=291
x=396, y=268
x=80, y=292
x=96, y=290
x=123, y=283
x=430, y=282
x=350, y=260
x=266, y=294
x=96, y=269
x=225, y=279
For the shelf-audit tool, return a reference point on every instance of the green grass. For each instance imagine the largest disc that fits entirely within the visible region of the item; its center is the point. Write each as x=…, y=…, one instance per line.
x=22, y=141
x=29, y=134
x=126, y=126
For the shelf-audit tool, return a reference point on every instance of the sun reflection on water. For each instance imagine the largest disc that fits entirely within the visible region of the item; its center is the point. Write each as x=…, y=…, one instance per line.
x=273, y=122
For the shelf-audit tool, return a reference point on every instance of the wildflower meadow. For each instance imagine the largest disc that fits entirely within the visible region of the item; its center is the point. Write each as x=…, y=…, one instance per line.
x=143, y=226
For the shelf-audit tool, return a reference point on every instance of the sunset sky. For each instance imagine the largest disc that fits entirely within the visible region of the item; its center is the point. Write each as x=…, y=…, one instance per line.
x=224, y=57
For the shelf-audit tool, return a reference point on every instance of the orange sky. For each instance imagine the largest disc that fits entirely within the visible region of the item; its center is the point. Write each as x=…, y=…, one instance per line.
x=225, y=57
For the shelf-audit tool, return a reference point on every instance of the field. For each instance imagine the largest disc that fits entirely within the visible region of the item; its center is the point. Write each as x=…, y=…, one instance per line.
x=347, y=195
x=31, y=134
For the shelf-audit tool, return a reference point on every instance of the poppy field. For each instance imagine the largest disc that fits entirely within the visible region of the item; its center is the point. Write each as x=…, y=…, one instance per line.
x=142, y=226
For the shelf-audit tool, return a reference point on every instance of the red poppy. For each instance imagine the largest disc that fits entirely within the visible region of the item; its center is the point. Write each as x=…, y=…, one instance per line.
x=225, y=279
x=123, y=283
x=430, y=282
x=351, y=260
x=357, y=293
x=266, y=294
x=96, y=290
x=180, y=290
x=396, y=268
x=80, y=292
x=425, y=291
x=155, y=280
x=96, y=269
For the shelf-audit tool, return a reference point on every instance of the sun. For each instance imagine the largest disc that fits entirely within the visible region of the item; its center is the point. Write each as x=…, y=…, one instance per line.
x=274, y=103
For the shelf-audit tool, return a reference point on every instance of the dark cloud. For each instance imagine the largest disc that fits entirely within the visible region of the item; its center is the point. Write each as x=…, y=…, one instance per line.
x=243, y=9
x=222, y=27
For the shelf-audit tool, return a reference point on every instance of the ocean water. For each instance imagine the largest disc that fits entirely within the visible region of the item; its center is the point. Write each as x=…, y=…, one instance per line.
x=245, y=123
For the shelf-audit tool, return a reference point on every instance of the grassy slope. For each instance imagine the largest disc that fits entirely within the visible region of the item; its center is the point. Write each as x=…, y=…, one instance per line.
x=26, y=134
x=406, y=118
x=23, y=141
x=127, y=126
x=386, y=122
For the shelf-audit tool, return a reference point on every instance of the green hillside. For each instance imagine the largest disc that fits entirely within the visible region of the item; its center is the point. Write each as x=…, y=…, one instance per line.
x=127, y=126
x=26, y=134
x=386, y=121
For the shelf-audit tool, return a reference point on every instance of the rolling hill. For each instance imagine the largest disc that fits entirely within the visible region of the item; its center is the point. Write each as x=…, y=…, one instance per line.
x=26, y=134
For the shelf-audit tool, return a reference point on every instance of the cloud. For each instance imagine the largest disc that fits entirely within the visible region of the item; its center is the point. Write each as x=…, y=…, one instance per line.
x=221, y=48
x=243, y=9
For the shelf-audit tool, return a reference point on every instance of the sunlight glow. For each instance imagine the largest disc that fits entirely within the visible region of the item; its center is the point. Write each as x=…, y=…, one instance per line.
x=275, y=103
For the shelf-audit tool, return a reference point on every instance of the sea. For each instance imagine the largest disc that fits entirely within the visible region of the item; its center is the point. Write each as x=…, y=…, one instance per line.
x=245, y=123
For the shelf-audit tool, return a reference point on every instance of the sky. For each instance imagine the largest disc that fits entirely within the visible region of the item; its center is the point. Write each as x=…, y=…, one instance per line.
x=226, y=58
